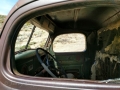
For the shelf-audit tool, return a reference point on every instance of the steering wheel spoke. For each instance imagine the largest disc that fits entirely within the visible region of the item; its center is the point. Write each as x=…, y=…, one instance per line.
x=46, y=63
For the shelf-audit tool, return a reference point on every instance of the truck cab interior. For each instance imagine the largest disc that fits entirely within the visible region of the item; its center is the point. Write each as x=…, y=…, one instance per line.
x=74, y=43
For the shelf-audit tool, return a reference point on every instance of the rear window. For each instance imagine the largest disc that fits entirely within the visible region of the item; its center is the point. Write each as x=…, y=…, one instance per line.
x=74, y=42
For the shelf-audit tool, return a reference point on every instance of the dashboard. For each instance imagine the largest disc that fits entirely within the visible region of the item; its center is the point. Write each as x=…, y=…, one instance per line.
x=27, y=63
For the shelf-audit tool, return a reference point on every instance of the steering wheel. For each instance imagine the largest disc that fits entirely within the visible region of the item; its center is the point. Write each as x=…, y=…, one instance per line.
x=62, y=71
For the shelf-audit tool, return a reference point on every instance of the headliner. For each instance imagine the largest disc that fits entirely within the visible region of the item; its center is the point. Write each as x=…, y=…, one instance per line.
x=87, y=18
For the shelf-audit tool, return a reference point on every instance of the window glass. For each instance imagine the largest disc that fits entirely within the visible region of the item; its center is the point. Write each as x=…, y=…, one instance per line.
x=74, y=42
x=38, y=38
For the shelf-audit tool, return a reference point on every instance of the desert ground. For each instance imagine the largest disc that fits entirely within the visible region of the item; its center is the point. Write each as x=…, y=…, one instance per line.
x=68, y=43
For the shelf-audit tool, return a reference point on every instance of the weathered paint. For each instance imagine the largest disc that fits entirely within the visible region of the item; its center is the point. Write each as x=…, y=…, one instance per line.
x=114, y=47
x=106, y=66
x=114, y=25
x=108, y=54
x=111, y=38
x=102, y=56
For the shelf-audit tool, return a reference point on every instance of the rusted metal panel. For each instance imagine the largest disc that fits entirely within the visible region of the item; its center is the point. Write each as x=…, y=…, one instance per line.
x=27, y=82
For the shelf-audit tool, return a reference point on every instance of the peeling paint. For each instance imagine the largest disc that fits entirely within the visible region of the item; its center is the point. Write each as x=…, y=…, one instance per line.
x=114, y=47
x=97, y=66
x=113, y=25
x=107, y=58
x=93, y=70
x=102, y=56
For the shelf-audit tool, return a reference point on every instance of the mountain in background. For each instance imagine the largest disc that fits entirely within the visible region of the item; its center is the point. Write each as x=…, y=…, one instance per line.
x=2, y=18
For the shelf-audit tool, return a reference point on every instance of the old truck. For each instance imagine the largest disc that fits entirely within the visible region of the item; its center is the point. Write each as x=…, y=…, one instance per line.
x=61, y=45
